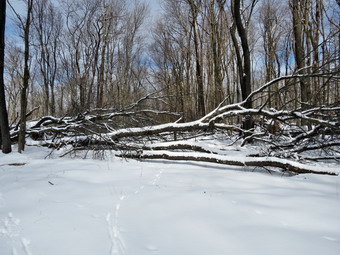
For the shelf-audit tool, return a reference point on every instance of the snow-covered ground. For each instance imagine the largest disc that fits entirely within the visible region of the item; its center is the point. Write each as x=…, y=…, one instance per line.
x=61, y=206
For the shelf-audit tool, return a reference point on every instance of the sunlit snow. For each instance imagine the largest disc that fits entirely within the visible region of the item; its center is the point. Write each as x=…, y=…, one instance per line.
x=81, y=206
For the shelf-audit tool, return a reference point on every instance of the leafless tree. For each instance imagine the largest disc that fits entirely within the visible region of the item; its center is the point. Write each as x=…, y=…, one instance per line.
x=14, y=69
x=244, y=62
x=24, y=24
x=47, y=23
x=5, y=142
x=271, y=19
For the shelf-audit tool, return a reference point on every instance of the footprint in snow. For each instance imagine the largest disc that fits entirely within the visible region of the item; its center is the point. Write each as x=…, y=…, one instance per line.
x=259, y=212
x=330, y=238
x=157, y=178
x=10, y=226
x=152, y=248
x=2, y=200
x=25, y=245
x=284, y=224
x=10, y=229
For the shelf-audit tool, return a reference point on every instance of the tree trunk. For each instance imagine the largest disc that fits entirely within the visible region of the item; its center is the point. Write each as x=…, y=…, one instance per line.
x=245, y=75
x=199, y=71
x=5, y=141
x=315, y=43
x=299, y=49
x=26, y=77
x=285, y=165
x=216, y=52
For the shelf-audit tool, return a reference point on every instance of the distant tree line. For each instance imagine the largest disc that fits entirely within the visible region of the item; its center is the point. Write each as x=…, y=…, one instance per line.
x=226, y=49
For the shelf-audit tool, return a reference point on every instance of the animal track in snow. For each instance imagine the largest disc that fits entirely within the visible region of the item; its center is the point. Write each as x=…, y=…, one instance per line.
x=10, y=228
x=259, y=212
x=117, y=242
x=25, y=244
x=330, y=238
x=152, y=248
x=156, y=179
x=2, y=200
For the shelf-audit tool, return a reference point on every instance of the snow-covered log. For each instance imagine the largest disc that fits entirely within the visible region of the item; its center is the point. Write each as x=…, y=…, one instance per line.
x=285, y=165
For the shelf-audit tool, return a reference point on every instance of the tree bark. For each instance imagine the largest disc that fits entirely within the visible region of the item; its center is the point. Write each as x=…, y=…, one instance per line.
x=26, y=77
x=5, y=141
x=245, y=71
x=199, y=70
x=245, y=77
x=299, y=51
x=216, y=53
x=285, y=165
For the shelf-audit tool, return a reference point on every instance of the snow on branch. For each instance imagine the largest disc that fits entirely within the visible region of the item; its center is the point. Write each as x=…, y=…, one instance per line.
x=285, y=165
x=279, y=135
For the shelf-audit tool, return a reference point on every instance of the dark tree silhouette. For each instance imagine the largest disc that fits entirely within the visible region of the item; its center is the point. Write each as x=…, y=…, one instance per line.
x=5, y=142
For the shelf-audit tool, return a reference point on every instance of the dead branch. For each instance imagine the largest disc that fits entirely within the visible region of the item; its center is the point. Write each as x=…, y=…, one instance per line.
x=285, y=165
x=278, y=131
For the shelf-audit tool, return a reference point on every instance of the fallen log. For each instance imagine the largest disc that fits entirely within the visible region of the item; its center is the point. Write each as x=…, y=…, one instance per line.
x=285, y=165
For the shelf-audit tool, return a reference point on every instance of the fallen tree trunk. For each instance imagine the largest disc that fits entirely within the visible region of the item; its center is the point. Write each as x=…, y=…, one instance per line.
x=277, y=134
x=285, y=165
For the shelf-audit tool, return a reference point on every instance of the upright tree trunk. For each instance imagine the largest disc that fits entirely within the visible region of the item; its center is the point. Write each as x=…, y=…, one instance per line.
x=45, y=78
x=245, y=77
x=5, y=141
x=199, y=71
x=315, y=43
x=47, y=23
x=244, y=64
x=26, y=77
x=101, y=72
x=101, y=78
x=216, y=53
x=299, y=49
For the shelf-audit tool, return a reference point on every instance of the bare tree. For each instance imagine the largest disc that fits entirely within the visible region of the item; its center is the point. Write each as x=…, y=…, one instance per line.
x=270, y=21
x=5, y=141
x=102, y=53
x=129, y=54
x=244, y=62
x=173, y=53
x=25, y=27
x=298, y=13
x=47, y=23
x=194, y=8
x=14, y=68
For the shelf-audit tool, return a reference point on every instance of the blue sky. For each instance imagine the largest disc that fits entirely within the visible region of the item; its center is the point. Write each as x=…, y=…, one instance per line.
x=154, y=4
x=19, y=6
